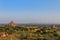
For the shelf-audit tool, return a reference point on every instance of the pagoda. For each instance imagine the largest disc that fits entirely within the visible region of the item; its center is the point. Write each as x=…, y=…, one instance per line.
x=12, y=24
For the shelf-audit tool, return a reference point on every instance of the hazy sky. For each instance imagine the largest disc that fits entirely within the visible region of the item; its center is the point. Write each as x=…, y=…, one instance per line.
x=30, y=11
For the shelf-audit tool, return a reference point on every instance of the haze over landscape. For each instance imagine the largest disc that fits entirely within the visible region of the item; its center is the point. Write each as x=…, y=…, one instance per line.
x=30, y=11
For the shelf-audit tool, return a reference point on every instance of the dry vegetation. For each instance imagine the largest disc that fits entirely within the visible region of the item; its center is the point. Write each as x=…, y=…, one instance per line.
x=30, y=32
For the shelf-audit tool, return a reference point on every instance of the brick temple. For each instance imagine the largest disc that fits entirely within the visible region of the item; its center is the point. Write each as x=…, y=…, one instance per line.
x=12, y=23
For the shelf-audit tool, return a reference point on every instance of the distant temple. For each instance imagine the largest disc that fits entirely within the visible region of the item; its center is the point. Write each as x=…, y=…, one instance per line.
x=12, y=24
x=54, y=27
